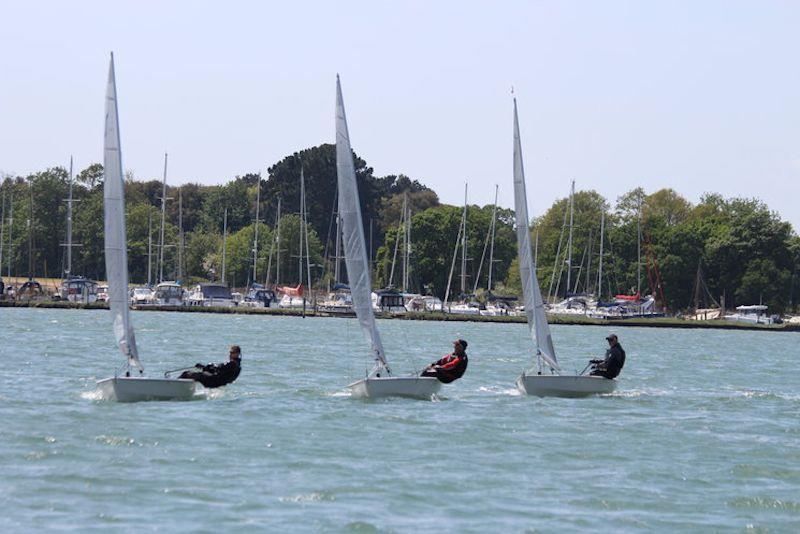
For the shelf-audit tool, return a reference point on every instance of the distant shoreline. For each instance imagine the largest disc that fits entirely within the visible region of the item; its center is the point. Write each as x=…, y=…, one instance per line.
x=661, y=322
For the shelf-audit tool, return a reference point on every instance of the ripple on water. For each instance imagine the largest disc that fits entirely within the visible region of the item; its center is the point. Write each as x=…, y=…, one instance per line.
x=699, y=446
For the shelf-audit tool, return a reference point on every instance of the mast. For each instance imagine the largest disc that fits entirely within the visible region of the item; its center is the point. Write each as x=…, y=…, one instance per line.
x=30, y=231
x=639, y=251
x=278, y=242
x=406, y=239
x=180, y=233
x=300, y=249
x=536, y=250
x=224, y=243
x=489, y=239
x=275, y=240
x=305, y=231
x=10, y=230
x=2, y=228
x=400, y=228
x=255, y=231
x=163, y=221
x=464, y=246
x=600, y=265
x=68, y=270
x=569, y=240
x=149, y=247
x=491, y=243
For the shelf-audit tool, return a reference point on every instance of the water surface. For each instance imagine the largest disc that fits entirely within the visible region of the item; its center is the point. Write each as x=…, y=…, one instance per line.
x=702, y=434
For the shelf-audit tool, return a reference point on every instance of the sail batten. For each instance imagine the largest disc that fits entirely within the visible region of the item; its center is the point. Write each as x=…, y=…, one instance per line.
x=534, y=304
x=355, y=251
x=115, y=235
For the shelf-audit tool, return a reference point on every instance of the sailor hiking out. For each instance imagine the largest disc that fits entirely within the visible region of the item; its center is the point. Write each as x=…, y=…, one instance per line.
x=451, y=367
x=215, y=375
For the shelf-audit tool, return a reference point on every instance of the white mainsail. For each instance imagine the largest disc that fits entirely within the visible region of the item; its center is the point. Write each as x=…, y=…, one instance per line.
x=355, y=250
x=534, y=304
x=115, y=236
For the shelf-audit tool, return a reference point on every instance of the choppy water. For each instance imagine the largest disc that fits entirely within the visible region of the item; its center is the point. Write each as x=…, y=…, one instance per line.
x=702, y=435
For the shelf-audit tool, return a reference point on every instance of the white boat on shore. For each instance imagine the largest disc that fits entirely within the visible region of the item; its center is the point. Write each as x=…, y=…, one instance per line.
x=754, y=314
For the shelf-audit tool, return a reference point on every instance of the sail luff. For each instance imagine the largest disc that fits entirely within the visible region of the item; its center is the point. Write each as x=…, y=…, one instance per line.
x=353, y=234
x=534, y=305
x=115, y=236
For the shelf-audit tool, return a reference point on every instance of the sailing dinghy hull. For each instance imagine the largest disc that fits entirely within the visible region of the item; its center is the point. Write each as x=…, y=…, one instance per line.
x=414, y=387
x=575, y=386
x=137, y=389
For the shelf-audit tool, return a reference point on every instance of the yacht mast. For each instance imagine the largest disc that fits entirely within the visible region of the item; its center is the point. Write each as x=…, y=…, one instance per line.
x=224, y=243
x=400, y=228
x=304, y=229
x=10, y=230
x=149, y=247
x=180, y=233
x=69, y=245
x=453, y=263
x=255, y=230
x=30, y=232
x=486, y=246
x=163, y=221
x=278, y=244
x=406, y=239
x=464, y=245
x=275, y=240
x=600, y=266
x=569, y=240
x=300, y=251
x=2, y=229
x=639, y=251
x=491, y=243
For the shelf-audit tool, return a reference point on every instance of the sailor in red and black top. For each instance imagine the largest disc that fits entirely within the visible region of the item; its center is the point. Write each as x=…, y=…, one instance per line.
x=451, y=367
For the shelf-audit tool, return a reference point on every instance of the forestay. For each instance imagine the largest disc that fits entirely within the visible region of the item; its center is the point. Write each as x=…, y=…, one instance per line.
x=355, y=250
x=115, y=236
x=534, y=304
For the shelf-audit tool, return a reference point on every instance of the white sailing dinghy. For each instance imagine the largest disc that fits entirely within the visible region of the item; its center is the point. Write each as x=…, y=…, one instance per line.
x=552, y=384
x=379, y=382
x=125, y=388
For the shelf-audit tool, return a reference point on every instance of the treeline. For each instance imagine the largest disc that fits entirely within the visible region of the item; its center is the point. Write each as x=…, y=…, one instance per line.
x=731, y=249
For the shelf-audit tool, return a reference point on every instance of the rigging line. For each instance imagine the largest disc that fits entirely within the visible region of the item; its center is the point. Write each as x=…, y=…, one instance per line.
x=452, y=268
x=558, y=254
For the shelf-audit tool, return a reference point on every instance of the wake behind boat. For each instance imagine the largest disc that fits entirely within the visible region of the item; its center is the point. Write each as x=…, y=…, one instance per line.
x=553, y=384
x=125, y=388
x=379, y=382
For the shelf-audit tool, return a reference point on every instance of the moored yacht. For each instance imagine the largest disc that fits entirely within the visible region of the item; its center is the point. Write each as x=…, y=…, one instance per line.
x=169, y=294
x=211, y=294
x=78, y=289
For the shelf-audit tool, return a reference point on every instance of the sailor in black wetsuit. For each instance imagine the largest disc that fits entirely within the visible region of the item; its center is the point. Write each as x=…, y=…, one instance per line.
x=611, y=366
x=215, y=375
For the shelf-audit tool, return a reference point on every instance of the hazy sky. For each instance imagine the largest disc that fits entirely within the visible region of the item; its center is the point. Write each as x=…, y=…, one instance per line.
x=695, y=95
